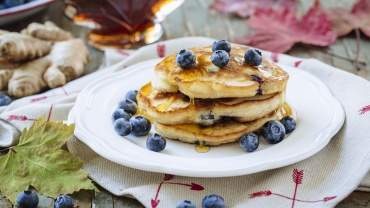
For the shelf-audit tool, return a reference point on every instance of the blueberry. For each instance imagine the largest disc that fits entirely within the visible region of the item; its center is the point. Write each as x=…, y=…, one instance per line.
x=249, y=142
x=120, y=113
x=155, y=142
x=122, y=126
x=131, y=95
x=253, y=57
x=13, y=3
x=5, y=100
x=221, y=45
x=220, y=58
x=273, y=132
x=140, y=126
x=289, y=124
x=64, y=201
x=185, y=204
x=27, y=199
x=128, y=106
x=185, y=59
x=213, y=201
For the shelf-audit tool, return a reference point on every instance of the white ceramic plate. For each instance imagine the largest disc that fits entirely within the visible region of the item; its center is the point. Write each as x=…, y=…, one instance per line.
x=320, y=116
x=22, y=11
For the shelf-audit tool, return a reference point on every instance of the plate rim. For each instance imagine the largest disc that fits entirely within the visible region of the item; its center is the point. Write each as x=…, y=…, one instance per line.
x=24, y=7
x=335, y=125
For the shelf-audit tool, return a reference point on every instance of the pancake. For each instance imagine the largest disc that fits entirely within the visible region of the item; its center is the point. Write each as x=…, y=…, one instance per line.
x=223, y=132
x=236, y=79
x=176, y=108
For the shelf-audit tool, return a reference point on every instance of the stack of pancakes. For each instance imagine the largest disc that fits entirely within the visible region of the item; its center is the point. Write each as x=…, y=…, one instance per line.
x=210, y=105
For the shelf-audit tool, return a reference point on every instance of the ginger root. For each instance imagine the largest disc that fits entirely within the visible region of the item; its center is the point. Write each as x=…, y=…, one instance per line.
x=67, y=62
x=17, y=47
x=5, y=75
x=47, y=31
x=27, y=79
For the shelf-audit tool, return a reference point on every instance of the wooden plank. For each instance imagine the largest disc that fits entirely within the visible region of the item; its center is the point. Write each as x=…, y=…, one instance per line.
x=356, y=200
x=102, y=199
x=125, y=202
x=83, y=198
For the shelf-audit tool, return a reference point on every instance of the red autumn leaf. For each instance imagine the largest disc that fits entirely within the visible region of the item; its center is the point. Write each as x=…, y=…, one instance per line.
x=277, y=30
x=344, y=21
x=244, y=8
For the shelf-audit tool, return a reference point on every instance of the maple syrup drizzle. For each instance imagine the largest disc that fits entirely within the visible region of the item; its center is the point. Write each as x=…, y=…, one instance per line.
x=200, y=148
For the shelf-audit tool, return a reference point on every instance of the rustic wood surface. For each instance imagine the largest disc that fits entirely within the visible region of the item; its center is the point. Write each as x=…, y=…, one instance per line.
x=194, y=19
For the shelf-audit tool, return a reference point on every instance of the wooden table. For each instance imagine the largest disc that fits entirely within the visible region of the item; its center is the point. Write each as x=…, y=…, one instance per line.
x=194, y=19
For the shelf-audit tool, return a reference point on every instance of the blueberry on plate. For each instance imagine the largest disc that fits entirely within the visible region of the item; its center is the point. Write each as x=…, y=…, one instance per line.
x=131, y=95
x=221, y=45
x=128, y=106
x=120, y=113
x=213, y=201
x=253, y=57
x=122, y=126
x=185, y=204
x=220, y=58
x=155, y=143
x=249, y=142
x=64, y=201
x=5, y=100
x=289, y=124
x=140, y=125
x=185, y=59
x=27, y=199
x=273, y=132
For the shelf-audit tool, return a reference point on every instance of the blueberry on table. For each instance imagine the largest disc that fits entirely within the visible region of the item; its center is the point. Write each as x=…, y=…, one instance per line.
x=273, y=132
x=185, y=59
x=140, y=126
x=131, y=95
x=13, y=3
x=120, y=113
x=155, y=143
x=27, y=199
x=249, y=142
x=253, y=57
x=221, y=45
x=4, y=100
x=185, y=204
x=289, y=124
x=64, y=201
x=122, y=126
x=213, y=201
x=220, y=58
x=128, y=106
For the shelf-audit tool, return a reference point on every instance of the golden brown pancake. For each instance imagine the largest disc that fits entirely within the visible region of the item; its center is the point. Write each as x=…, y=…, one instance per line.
x=177, y=108
x=236, y=79
x=222, y=132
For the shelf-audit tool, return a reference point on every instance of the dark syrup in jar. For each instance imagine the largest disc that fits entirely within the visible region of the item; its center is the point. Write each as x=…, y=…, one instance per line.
x=116, y=23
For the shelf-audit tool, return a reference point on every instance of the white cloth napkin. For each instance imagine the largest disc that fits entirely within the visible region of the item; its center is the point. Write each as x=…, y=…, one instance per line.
x=328, y=177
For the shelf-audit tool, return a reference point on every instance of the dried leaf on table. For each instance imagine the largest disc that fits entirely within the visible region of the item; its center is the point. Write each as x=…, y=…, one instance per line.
x=39, y=161
x=277, y=30
x=244, y=8
x=344, y=20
